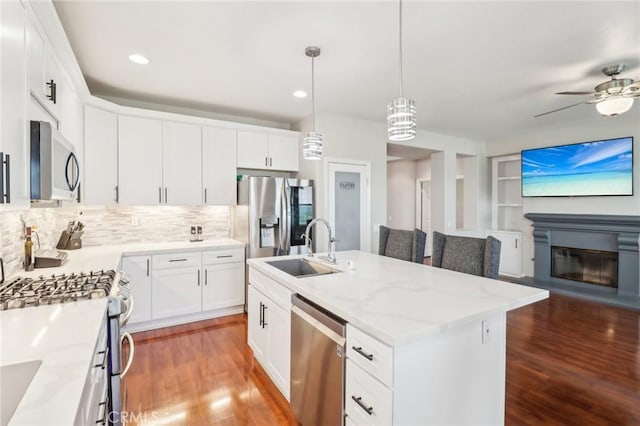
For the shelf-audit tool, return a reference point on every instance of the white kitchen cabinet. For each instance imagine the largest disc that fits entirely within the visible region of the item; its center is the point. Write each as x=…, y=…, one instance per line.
x=100, y=182
x=283, y=152
x=13, y=104
x=264, y=151
x=36, y=60
x=139, y=161
x=510, y=252
x=269, y=327
x=256, y=332
x=219, y=166
x=181, y=165
x=223, y=286
x=176, y=291
x=138, y=271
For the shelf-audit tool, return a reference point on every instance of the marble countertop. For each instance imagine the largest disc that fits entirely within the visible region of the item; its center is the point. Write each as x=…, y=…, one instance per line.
x=63, y=336
x=108, y=256
x=397, y=301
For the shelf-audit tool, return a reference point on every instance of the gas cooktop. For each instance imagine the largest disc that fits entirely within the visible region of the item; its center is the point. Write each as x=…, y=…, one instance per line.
x=48, y=290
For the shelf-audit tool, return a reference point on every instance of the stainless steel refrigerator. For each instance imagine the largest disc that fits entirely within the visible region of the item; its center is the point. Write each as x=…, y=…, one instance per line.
x=272, y=215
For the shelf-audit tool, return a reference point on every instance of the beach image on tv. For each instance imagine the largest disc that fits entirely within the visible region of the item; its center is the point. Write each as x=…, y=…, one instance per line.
x=590, y=168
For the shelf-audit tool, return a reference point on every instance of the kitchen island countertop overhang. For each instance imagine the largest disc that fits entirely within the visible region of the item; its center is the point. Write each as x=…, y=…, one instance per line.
x=398, y=302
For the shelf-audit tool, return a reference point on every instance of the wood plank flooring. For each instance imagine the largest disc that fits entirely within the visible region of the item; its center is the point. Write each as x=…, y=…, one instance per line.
x=569, y=362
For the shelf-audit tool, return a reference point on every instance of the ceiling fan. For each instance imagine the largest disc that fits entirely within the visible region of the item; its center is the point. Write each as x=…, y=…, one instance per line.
x=612, y=97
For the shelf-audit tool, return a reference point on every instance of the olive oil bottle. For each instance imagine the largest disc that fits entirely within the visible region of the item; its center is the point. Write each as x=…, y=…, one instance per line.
x=28, y=251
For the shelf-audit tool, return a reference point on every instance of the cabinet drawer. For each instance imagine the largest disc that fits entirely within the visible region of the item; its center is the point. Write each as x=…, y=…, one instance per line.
x=275, y=291
x=213, y=257
x=372, y=355
x=367, y=401
x=176, y=260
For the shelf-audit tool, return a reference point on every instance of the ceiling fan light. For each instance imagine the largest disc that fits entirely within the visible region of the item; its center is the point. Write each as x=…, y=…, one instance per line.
x=401, y=119
x=312, y=146
x=614, y=106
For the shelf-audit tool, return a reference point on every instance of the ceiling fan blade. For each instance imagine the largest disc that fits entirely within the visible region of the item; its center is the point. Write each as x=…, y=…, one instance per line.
x=575, y=93
x=559, y=109
x=632, y=89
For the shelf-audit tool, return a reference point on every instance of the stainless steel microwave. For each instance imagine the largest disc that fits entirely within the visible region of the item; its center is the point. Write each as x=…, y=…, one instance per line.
x=55, y=171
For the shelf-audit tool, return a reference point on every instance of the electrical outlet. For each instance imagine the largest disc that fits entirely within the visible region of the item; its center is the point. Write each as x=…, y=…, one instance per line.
x=486, y=332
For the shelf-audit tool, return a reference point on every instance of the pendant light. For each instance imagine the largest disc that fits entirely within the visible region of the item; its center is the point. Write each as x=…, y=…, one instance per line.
x=312, y=146
x=401, y=112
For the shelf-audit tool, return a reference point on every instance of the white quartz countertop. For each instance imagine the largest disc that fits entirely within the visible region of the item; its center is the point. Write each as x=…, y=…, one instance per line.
x=108, y=256
x=399, y=302
x=63, y=337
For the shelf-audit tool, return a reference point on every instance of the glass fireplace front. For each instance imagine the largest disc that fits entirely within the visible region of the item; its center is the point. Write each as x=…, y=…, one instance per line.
x=587, y=266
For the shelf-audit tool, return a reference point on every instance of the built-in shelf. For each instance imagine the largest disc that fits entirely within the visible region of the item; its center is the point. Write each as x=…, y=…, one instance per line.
x=509, y=178
x=509, y=205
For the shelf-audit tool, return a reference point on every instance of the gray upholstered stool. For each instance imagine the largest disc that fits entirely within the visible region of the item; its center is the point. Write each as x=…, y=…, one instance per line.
x=405, y=245
x=477, y=256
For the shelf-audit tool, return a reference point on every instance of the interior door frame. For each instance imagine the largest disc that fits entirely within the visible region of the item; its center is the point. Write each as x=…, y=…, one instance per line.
x=365, y=196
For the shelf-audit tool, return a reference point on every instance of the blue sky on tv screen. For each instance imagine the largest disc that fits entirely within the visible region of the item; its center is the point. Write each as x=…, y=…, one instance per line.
x=590, y=157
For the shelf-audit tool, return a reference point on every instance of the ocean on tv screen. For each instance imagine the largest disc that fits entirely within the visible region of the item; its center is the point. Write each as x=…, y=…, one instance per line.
x=583, y=169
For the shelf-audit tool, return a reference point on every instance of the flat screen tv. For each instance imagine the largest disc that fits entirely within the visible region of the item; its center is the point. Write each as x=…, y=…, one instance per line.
x=582, y=169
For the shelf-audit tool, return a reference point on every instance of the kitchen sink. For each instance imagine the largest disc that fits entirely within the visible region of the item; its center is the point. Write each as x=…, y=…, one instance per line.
x=301, y=268
x=14, y=381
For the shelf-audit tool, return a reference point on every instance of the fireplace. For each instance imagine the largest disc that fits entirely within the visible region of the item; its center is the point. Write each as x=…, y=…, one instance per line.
x=588, y=254
x=588, y=266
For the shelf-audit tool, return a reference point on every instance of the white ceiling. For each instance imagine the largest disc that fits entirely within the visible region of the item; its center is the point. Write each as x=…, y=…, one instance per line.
x=475, y=69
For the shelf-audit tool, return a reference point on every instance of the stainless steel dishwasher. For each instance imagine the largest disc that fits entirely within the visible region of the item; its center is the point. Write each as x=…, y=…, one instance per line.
x=317, y=364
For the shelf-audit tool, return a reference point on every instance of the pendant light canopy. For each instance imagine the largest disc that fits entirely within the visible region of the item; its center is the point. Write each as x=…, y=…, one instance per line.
x=401, y=112
x=312, y=145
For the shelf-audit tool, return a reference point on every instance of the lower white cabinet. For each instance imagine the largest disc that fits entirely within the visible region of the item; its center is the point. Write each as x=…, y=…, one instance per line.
x=510, y=252
x=176, y=291
x=223, y=285
x=183, y=286
x=269, y=328
x=138, y=270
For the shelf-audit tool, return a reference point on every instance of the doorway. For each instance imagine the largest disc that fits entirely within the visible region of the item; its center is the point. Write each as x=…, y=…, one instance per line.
x=423, y=211
x=349, y=203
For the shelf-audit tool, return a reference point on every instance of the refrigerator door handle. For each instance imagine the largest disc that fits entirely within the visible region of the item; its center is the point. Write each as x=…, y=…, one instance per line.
x=287, y=202
x=282, y=245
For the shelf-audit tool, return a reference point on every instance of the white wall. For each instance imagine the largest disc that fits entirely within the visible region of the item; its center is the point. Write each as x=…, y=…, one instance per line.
x=593, y=128
x=349, y=138
x=401, y=194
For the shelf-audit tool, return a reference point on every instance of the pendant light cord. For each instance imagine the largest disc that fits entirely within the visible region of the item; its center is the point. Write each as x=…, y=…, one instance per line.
x=400, y=44
x=313, y=92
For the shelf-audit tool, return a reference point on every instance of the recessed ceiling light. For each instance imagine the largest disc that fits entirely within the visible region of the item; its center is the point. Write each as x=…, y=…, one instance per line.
x=300, y=94
x=139, y=59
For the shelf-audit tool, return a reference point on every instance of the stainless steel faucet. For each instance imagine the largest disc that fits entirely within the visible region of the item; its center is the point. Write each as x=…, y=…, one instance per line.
x=331, y=256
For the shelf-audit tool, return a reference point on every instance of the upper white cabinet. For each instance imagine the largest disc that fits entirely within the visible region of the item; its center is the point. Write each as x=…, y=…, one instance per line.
x=263, y=151
x=13, y=106
x=181, y=170
x=36, y=58
x=158, y=162
x=101, y=156
x=140, y=161
x=218, y=166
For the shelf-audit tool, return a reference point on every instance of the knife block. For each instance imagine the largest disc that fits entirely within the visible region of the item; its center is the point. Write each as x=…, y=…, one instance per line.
x=69, y=241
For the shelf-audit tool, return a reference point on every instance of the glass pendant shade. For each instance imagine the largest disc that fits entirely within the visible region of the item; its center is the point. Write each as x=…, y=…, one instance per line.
x=615, y=105
x=312, y=146
x=401, y=119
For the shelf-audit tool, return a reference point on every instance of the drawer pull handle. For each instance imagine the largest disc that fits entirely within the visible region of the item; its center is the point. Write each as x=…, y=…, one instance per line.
x=177, y=260
x=361, y=352
x=358, y=401
x=224, y=255
x=105, y=354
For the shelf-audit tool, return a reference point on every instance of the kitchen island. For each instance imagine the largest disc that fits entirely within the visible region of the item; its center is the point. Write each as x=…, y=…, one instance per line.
x=434, y=340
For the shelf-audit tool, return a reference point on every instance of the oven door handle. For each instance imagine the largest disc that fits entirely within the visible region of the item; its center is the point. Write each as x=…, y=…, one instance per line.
x=127, y=315
x=126, y=336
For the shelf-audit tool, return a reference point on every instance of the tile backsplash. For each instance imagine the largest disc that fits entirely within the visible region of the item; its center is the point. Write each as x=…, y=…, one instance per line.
x=109, y=225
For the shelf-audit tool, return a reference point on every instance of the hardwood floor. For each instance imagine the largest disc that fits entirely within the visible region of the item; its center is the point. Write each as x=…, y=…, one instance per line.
x=569, y=362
